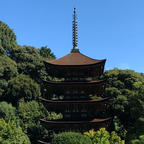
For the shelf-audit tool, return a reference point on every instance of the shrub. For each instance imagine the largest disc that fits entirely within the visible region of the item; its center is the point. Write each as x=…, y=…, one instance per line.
x=22, y=86
x=7, y=111
x=10, y=133
x=71, y=138
x=104, y=137
x=140, y=140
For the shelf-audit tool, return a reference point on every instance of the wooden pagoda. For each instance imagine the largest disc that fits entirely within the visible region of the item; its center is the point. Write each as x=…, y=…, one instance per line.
x=79, y=94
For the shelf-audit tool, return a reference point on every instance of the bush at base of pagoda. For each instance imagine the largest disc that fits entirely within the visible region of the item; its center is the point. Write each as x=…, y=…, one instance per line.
x=71, y=138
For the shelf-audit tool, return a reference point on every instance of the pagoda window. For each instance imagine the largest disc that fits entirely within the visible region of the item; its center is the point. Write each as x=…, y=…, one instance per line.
x=67, y=92
x=82, y=92
x=67, y=110
x=82, y=97
x=67, y=97
x=84, y=108
x=74, y=78
x=67, y=115
x=75, y=92
x=84, y=115
x=74, y=73
x=82, y=78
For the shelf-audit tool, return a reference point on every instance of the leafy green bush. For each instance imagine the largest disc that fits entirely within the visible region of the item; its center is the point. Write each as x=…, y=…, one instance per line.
x=140, y=140
x=7, y=111
x=126, y=88
x=30, y=114
x=8, y=70
x=104, y=137
x=29, y=62
x=2, y=51
x=10, y=133
x=70, y=138
x=7, y=38
x=46, y=53
x=22, y=86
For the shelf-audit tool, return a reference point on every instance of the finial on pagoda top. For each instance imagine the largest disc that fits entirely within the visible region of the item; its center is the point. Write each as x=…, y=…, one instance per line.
x=75, y=33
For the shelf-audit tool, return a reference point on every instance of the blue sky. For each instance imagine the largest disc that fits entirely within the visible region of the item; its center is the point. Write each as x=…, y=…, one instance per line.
x=111, y=29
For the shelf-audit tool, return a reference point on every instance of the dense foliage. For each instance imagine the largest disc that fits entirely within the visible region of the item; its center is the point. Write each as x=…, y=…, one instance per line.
x=21, y=73
x=126, y=88
x=102, y=136
x=10, y=133
x=7, y=112
x=24, y=87
x=46, y=53
x=7, y=39
x=8, y=70
x=70, y=138
x=139, y=140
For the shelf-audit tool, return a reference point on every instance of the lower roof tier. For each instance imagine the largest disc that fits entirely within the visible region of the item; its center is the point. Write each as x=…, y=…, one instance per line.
x=77, y=125
x=97, y=100
x=75, y=122
x=89, y=106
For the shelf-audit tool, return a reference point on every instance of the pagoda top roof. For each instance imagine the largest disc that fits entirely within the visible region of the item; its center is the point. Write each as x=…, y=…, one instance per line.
x=75, y=58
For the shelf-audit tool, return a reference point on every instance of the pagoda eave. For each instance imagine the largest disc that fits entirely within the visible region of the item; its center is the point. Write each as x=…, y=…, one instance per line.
x=41, y=142
x=76, y=122
x=96, y=100
x=63, y=83
x=100, y=62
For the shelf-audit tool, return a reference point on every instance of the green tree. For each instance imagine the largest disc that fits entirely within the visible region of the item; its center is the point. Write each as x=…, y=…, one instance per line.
x=30, y=114
x=24, y=87
x=2, y=51
x=126, y=88
x=7, y=39
x=29, y=61
x=140, y=140
x=8, y=70
x=46, y=53
x=7, y=111
x=11, y=133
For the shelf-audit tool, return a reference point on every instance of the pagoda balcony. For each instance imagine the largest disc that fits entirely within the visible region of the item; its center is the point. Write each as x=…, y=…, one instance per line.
x=77, y=71
x=82, y=126
x=76, y=87
x=90, y=106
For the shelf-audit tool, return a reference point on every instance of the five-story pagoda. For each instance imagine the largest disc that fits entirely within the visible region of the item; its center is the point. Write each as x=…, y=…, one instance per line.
x=78, y=96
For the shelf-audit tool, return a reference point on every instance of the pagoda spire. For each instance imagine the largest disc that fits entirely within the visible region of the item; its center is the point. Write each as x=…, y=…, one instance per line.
x=75, y=33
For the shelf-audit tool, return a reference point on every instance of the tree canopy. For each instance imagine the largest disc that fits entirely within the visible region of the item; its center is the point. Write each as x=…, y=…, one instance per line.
x=24, y=87
x=126, y=88
x=10, y=133
x=7, y=39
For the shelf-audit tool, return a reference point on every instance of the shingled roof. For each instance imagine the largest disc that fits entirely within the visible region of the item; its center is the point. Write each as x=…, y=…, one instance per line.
x=75, y=58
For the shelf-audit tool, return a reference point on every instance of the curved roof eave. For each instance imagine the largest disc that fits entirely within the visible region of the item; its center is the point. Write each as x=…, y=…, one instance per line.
x=77, y=122
x=55, y=83
x=75, y=59
x=76, y=101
